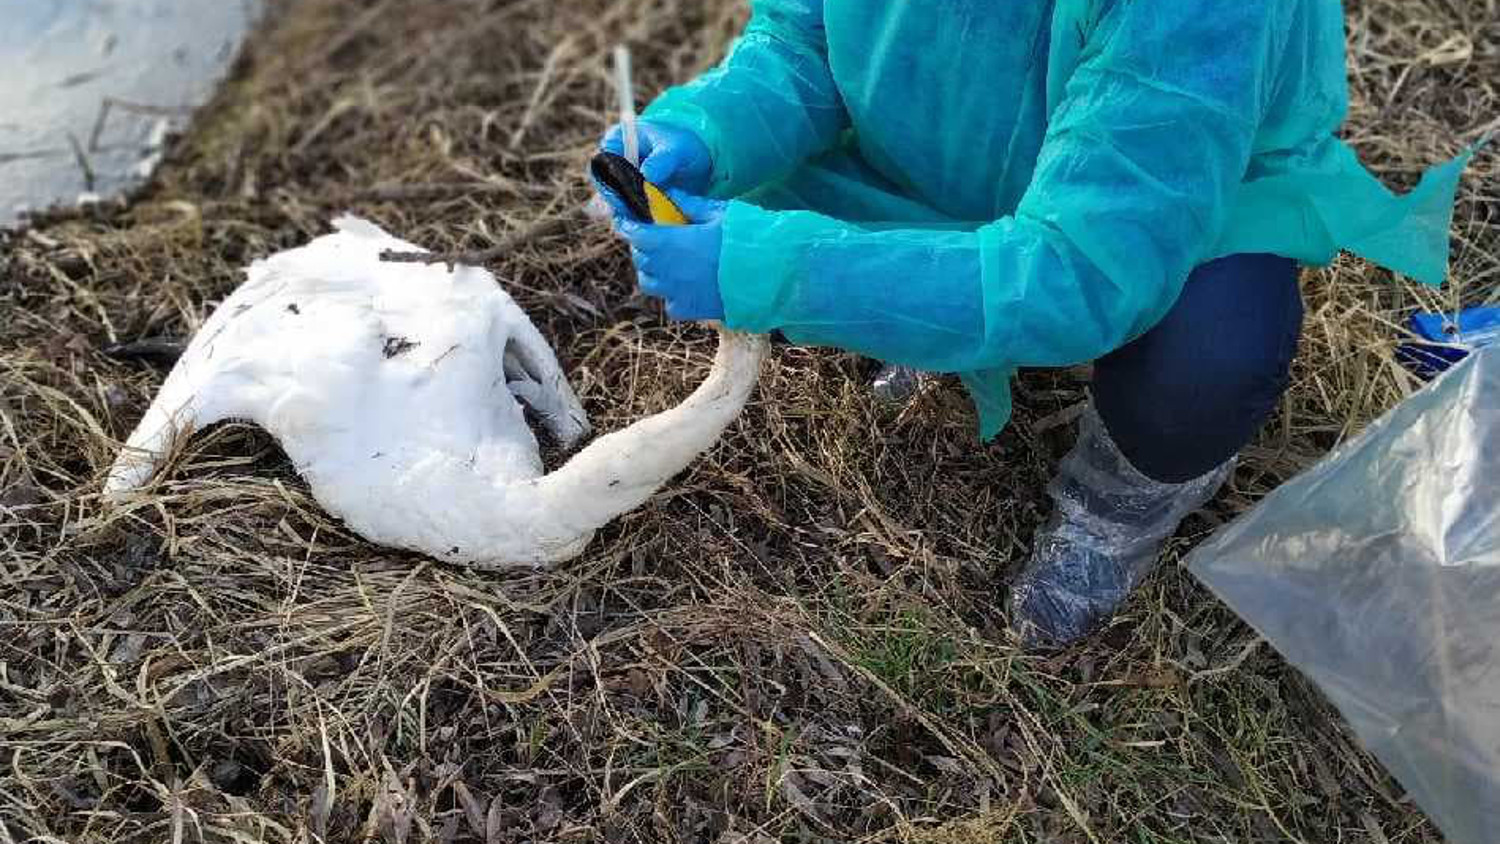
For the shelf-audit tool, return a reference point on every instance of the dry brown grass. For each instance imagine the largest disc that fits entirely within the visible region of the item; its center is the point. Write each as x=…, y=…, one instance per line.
x=800, y=641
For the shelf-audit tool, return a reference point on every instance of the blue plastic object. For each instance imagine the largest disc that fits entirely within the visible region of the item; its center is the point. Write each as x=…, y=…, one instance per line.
x=680, y=264
x=1446, y=339
x=971, y=186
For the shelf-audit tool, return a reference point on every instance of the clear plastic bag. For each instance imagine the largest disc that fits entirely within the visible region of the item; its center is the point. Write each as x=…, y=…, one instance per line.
x=1377, y=574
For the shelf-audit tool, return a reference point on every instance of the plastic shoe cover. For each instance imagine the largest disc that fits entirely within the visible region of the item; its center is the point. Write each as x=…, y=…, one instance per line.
x=1104, y=538
x=896, y=384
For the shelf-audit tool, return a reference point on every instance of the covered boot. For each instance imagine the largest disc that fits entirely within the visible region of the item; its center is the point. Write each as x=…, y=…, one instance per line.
x=895, y=384
x=1105, y=536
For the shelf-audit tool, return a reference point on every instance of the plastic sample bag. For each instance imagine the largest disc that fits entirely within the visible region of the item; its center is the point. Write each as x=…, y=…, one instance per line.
x=1377, y=574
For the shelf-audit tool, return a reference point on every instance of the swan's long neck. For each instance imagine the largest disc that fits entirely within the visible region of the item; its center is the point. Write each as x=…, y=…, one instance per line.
x=621, y=471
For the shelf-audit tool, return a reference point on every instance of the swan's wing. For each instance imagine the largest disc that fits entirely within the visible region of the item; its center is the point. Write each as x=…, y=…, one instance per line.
x=238, y=363
x=179, y=409
x=203, y=387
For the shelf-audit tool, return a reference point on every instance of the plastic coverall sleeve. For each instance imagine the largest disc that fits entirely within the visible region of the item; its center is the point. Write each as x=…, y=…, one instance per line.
x=1140, y=165
x=774, y=89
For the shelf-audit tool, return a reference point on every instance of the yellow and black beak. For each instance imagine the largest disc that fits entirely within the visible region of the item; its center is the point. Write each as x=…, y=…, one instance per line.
x=647, y=202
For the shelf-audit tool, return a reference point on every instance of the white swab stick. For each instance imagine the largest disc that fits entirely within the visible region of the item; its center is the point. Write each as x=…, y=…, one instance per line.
x=626, y=89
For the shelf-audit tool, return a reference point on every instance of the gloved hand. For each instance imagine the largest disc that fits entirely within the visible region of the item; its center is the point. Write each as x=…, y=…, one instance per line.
x=680, y=264
x=670, y=157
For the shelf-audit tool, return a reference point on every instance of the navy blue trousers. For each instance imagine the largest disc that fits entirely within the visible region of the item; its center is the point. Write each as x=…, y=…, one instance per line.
x=1190, y=393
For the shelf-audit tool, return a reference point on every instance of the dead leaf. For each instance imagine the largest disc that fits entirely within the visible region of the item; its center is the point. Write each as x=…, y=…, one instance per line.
x=1372, y=826
x=791, y=789
x=946, y=764
x=22, y=495
x=319, y=810
x=582, y=304
x=494, y=823
x=1155, y=678
x=473, y=811
x=396, y=806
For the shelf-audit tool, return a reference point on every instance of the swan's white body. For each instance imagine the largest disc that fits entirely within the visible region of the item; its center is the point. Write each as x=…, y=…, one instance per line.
x=393, y=387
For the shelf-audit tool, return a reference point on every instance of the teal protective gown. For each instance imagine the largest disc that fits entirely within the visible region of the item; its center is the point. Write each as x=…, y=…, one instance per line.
x=971, y=186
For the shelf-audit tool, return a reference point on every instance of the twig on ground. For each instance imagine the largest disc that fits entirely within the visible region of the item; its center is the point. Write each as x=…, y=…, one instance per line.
x=83, y=162
x=542, y=228
x=437, y=190
x=1231, y=666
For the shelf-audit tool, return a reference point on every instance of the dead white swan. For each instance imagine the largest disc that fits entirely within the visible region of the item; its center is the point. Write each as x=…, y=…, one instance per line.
x=393, y=388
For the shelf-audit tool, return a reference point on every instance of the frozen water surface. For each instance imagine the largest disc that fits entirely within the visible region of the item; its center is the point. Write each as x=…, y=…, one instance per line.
x=92, y=88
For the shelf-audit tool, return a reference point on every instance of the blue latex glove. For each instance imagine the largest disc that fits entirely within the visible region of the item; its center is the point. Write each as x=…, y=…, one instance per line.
x=670, y=158
x=680, y=264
